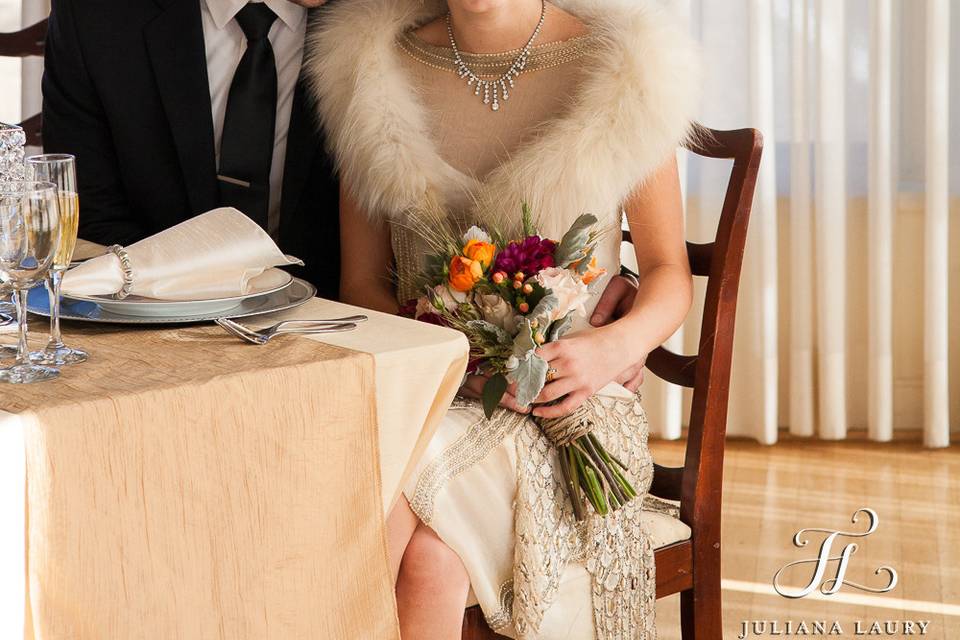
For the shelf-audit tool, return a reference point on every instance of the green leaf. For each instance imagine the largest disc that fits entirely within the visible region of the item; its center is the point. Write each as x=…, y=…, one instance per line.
x=493, y=392
x=530, y=378
x=575, y=240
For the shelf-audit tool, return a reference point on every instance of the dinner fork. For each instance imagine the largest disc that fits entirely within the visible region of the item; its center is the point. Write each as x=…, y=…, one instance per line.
x=294, y=327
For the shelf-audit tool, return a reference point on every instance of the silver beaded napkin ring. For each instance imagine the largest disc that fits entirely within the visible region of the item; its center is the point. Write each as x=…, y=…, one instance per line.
x=127, y=268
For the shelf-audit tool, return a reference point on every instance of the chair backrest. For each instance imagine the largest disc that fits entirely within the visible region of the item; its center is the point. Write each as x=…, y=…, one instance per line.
x=21, y=44
x=698, y=483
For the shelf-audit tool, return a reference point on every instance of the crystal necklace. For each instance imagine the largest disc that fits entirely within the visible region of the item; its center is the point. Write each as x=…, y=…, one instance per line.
x=493, y=90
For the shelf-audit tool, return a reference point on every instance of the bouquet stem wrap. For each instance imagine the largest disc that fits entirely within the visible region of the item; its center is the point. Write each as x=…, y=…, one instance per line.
x=588, y=469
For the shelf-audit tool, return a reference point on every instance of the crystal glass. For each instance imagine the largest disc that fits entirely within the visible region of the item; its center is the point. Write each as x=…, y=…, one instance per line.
x=12, y=141
x=61, y=170
x=29, y=238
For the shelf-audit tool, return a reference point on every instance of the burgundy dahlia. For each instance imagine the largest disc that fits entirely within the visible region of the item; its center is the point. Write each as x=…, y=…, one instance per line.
x=408, y=310
x=529, y=256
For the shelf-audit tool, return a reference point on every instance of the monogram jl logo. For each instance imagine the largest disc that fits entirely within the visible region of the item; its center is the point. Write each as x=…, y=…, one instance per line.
x=832, y=585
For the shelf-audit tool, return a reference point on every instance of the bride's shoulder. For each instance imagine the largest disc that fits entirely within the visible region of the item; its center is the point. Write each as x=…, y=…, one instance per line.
x=433, y=32
x=562, y=25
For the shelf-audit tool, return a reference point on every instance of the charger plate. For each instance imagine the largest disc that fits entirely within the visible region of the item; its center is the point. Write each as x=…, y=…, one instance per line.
x=270, y=281
x=297, y=293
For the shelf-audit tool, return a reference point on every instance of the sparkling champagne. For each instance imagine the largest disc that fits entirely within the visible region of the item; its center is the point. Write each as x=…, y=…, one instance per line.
x=69, y=222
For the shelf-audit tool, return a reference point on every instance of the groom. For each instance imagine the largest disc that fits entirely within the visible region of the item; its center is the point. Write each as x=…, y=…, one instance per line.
x=176, y=107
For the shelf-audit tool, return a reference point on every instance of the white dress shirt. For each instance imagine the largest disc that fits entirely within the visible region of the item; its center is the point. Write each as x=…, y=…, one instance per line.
x=225, y=45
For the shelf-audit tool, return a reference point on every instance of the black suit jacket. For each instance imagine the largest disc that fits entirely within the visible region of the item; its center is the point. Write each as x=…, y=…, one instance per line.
x=125, y=90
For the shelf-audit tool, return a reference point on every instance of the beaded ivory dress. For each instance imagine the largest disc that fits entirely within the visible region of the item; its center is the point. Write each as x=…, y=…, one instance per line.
x=466, y=484
x=575, y=136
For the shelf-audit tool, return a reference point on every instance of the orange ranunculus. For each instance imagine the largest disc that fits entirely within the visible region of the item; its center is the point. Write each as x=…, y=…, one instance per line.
x=464, y=273
x=593, y=272
x=482, y=252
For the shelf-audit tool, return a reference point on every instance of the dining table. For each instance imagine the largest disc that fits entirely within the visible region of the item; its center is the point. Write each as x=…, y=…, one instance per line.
x=183, y=484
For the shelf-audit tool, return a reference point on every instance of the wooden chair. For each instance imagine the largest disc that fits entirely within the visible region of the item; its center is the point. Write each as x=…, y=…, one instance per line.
x=21, y=44
x=692, y=567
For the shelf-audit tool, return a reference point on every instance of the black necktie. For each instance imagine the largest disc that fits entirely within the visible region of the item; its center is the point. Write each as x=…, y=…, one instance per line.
x=246, y=148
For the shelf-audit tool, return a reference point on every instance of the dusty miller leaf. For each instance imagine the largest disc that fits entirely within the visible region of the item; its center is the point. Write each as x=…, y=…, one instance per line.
x=491, y=331
x=524, y=344
x=584, y=264
x=575, y=240
x=530, y=378
x=547, y=304
x=560, y=327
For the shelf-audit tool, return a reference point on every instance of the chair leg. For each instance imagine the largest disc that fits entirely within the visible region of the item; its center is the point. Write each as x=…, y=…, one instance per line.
x=701, y=612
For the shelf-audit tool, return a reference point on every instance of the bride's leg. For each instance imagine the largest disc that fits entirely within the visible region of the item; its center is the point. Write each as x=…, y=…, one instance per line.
x=432, y=589
x=401, y=523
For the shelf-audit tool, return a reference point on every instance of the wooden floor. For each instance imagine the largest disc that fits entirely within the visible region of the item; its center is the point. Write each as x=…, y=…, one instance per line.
x=771, y=492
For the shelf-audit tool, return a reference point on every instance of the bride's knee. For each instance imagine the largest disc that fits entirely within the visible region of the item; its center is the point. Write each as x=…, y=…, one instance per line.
x=429, y=563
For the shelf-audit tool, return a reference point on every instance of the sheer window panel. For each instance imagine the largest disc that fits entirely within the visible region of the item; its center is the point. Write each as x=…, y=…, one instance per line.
x=850, y=306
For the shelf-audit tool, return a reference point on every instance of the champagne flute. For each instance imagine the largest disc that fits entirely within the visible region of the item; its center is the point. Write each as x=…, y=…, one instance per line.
x=60, y=169
x=7, y=311
x=29, y=237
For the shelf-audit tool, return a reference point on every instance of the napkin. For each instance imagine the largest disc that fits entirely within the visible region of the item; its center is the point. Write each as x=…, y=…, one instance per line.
x=219, y=254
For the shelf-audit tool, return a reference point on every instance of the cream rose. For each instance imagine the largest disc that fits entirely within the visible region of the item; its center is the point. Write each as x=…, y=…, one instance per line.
x=449, y=297
x=570, y=290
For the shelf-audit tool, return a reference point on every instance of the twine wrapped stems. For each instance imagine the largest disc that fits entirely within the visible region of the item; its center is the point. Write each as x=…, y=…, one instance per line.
x=588, y=469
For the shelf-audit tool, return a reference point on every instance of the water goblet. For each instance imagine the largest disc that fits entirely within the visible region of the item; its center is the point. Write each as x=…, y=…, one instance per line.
x=29, y=237
x=60, y=169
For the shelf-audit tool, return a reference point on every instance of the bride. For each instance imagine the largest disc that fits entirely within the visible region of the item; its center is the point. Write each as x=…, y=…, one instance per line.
x=572, y=106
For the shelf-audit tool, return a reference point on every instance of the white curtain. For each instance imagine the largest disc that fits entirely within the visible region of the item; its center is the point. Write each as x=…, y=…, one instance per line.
x=850, y=299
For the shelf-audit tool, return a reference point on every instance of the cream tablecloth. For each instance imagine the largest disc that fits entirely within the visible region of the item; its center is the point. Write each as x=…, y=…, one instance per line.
x=117, y=574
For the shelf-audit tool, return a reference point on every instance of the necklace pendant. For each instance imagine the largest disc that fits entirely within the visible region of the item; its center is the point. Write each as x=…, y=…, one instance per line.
x=498, y=85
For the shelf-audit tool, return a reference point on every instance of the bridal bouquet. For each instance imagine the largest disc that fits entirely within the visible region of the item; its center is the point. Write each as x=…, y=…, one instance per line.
x=509, y=297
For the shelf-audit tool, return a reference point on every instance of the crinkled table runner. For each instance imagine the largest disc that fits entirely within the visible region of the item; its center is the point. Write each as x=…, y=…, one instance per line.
x=183, y=485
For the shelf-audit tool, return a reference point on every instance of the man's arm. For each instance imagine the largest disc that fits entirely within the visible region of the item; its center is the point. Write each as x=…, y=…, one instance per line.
x=74, y=122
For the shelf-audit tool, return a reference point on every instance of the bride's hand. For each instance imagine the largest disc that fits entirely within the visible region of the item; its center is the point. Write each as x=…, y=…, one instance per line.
x=581, y=367
x=473, y=388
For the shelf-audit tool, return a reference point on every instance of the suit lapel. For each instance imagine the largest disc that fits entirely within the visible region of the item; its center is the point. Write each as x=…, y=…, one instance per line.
x=176, y=47
x=303, y=143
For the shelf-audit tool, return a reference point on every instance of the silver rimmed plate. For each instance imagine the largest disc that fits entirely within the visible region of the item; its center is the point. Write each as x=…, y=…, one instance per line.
x=297, y=293
x=272, y=281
